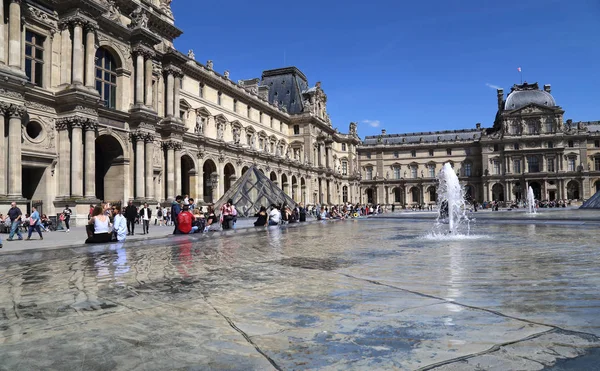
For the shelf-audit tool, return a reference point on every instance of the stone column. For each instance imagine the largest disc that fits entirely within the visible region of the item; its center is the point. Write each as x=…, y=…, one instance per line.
x=176, y=95
x=14, y=35
x=148, y=70
x=169, y=93
x=149, y=166
x=78, y=52
x=14, y=150
x=90, y=160
x=76, y=159
x=2, y=35
x=140, y=179
x=170, y=147
x=139, y=77
x=65, y=54
x=64, y=158
x=90, y=56
x=3, y=109
x=177, y=168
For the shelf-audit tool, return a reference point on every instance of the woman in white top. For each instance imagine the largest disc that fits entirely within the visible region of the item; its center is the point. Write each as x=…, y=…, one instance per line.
x=100, y=224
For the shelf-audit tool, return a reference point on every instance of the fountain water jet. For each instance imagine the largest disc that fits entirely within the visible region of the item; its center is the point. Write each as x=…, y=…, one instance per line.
x=451, y=198
x=531, y=201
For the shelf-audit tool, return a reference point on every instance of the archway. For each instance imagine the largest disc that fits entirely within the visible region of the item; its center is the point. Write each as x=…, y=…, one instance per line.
x=110, y=169
x=416, y=195
x=498, y=192
x=573, y=190
x=303, y=188
x=244, y=169
x=469, y=192
x=208, y=169
x=345, y=194
x=517, y=191
x=399, y=195
x=284, y=184
x=273, y=177
x=537, y=190
x=294, y=188
x=229, y=176
x=432, y=194
x=370, y=192
x=188, y=171
x=597, y=185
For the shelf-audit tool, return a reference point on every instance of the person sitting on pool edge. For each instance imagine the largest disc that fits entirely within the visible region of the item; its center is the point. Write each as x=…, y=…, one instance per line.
x=184, y=221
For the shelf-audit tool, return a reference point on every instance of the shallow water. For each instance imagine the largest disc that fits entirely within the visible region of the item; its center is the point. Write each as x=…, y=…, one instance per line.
x=358, y=294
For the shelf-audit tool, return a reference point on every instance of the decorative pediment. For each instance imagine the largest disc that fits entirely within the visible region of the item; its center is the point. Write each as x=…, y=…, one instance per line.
x=220, y=119
x=532, y=109
x=202, y=111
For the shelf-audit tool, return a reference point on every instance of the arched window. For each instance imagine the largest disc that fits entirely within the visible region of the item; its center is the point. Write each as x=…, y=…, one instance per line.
x=106, y=77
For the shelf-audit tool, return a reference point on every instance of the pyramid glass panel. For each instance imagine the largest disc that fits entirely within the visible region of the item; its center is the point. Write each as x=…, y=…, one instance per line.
x=593, y=202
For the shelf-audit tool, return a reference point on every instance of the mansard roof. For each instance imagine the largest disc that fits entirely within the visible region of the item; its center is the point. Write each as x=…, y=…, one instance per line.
x=286, y=86
x=424, y=137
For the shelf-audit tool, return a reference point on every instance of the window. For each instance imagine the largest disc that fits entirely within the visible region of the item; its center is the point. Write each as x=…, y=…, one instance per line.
x=180, y=83
x=344, y=194
x=248, y=139
x=34, y=57
x=497, y=167
x=369, y=173
x=516, y=146
x=550, y=165
x=430, y=152
x=432, y=171
x=396, y=172
x=261, y=144
x=344, y=147
x=550, y=144
x=597, y=143
x=496, y=148
x=297, y=132
x=531, y=128
x=396, y=154
x=201, y=90
x=468, y=168
x=449, y=152
x=219, y=94
x=534, y=164
x=570, y=144
x=271, y=123
x=468, y=151
x=260, y=117
x=413, y=172
x=413, y=153
x=281, y=127
x=571, y=164
x=106, y=77
x=514, y=129
x=548, y=126
x=597, y=164
x=344, y=167
x=517, y=166
x=235, y=105
x=368, y=154
x=248, y=111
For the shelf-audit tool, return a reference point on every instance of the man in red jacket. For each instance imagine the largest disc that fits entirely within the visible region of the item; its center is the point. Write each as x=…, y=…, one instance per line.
x=184, y=221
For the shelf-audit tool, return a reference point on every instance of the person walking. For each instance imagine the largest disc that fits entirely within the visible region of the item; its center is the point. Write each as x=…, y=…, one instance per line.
x=35, y=223
x=130, y=215
x=145, y=216
x=175, y=210
x=15, y=215
x=67, y=217
x=119, y=225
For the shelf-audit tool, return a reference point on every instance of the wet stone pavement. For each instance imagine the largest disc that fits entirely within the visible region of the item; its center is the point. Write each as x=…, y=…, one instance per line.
x=352, y=295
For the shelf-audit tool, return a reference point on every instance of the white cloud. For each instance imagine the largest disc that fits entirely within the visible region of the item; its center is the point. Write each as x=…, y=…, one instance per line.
x=492, y=86
x=372, y=123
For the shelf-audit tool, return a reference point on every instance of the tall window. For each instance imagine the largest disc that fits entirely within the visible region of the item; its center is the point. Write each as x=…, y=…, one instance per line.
x=432, y=171
x=534, y=164
x=430, y=152
x=449, y=152
x=201, y=90
x=297, y=132
x=468, y=167
x=531, y=128
x=413, y=153
x=343, y=145
x=344, y=167
x=248, y=111
x=497, y=167
x=219, y=98
x=571, y=164
x=550, y=165
x=597, y=143
x=260, y=117
x=548, y=126
x=271, y=123
x=368, y=154
x=34, y=57
x=396, y=155
x=550, y=144
x=396, y=172
x=597, y=164
x=517, y=166
x=344, y=194
x=235, y=105
x=106, y=77
x=413, y=172
x=516, y=146
x=369, y=173
x=570, y=144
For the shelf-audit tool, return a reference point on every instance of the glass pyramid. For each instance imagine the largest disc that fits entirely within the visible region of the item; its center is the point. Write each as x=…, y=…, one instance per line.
x=253, y=190
x=593, y=202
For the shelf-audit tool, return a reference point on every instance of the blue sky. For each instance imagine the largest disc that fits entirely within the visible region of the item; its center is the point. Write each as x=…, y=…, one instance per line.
x=407, y=66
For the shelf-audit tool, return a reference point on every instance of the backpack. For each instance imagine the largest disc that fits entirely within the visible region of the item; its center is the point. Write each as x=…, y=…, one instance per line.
x=159, y=212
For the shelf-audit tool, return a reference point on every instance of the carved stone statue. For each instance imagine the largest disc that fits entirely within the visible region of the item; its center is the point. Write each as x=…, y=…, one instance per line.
x=253, y=141
x=236, y=135
x=226, y=74
x=220, y=131
x=139, y=19
x=191, y=54
x=209, y=64
x=114, y=14
x=165, y=6
x=199, y=129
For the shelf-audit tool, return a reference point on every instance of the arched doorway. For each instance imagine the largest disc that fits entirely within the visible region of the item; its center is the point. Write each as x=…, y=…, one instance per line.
x=498, y=192
x=110, y=169
x=208, y=170
x=517, y=191
x=244, y=169
x=345, y=194
x=370, y=192
x=188, y=172
x=273, y=177
x=416, y=195
x=284, y=184
x=432, y=194
x=469, y=192
x=294, y=188
x=537, y=190
x=229, y=176
x=573, y=190
x=399, y=195
x=597, y=185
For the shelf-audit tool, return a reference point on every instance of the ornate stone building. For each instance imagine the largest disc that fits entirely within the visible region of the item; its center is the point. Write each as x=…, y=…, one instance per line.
x=98, y=105
x=528, y=145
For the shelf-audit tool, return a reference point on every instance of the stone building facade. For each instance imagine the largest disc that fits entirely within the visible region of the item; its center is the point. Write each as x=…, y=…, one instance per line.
x=528, y=145
x=98, y=106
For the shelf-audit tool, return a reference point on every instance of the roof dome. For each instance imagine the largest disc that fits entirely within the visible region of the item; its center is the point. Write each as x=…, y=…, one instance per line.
x=523, y=95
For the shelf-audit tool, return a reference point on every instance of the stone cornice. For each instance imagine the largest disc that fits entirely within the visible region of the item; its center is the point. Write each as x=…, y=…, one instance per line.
x=156, y=22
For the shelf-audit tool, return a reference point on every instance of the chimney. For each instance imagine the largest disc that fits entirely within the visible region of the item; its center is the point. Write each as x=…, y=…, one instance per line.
x=383, y=132
x=478, y=125
x=547, y=88
x=500, y=93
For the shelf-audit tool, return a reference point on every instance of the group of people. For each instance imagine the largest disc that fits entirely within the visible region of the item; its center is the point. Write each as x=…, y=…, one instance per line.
x=15, y=216
x=187, y=218
x=280, y=214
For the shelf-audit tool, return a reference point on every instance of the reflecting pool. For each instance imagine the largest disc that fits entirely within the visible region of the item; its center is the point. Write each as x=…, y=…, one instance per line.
x=360, y=294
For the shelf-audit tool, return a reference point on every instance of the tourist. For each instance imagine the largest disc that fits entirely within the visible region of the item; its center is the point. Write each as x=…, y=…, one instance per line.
x=175, y=210
x=90, y=212
x=227, y=214
x=130, y=215
x=159, y=216
x=192, y=204
x=15, y=215
x=185, y=220
x=101, y=227
x=274, y=215
x=35, y=223
x=302, y=212
x=262, y=217
x=323, y=214
x=145, y=215
x=66, y=217
x=120, y=224
x=212, y=222
x=199, y=220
